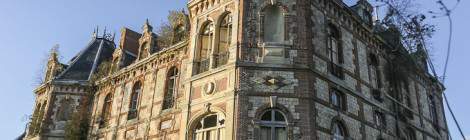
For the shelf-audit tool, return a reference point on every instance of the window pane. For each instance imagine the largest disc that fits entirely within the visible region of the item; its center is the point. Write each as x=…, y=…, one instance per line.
x=265, y=133
x=281, y=133
x=198, y=126
x=278, y=116
x=266, y=116
x=334, y=99
x=210, y=121
x=273, y=24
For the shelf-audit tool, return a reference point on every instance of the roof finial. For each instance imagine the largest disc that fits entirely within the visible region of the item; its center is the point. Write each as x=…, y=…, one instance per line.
x=104, y=32
x=147, y=27
x=95, y=32
x=114, y=35
x=54, y=52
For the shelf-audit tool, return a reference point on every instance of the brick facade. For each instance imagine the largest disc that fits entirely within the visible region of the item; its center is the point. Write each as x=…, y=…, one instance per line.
x=293, y=76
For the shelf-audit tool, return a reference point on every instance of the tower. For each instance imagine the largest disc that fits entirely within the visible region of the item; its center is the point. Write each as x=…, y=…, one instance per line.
x=66, y=90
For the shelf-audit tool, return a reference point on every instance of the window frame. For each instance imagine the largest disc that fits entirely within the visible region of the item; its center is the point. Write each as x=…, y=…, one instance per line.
x=334, y=131
x=341, y=99
x=282, y=18
x=106, y=109
x=169, y=98
x=134, y=101
x=221, y=56
x=220, y=126
x=334, y=51
x=203, y=60
x=273, y=124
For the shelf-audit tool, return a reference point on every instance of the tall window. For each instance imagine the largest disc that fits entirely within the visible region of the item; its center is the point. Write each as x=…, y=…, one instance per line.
x=273, y=126
x=273, y=24
x=225, y=37
x=335, y=51
x=136, y=90
x=106, y=111
x=65, y=110
x=211, y=127
x=170, y=92
x=339, y=132
x=374, y=71
x=337, y=99
x=432, y=108
x=204, y=52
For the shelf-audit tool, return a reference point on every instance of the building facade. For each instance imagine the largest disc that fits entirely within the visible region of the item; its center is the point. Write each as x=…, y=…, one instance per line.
x=248, y=70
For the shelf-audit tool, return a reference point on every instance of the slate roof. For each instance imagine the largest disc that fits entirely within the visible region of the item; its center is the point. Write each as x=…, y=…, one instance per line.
x=81, y=66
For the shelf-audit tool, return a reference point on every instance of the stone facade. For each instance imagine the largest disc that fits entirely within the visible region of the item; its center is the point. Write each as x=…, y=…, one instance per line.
x=252, y=70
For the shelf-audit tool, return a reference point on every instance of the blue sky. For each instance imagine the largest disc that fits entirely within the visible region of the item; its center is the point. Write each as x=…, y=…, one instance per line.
x=29, y=28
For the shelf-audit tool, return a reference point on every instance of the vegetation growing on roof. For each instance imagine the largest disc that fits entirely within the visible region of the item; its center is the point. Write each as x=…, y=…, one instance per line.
x=174, y=30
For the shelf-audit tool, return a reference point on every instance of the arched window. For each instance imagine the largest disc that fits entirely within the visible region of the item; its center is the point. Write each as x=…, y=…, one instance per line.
x=273, y=24
x=273, y=126
x=211, y=127
x=204, y=50
x=134, y=101
x=339, y=133
x=170, y=92
x=65, y=110
x=225, y=38
x=106, y=111
x=337, y=99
